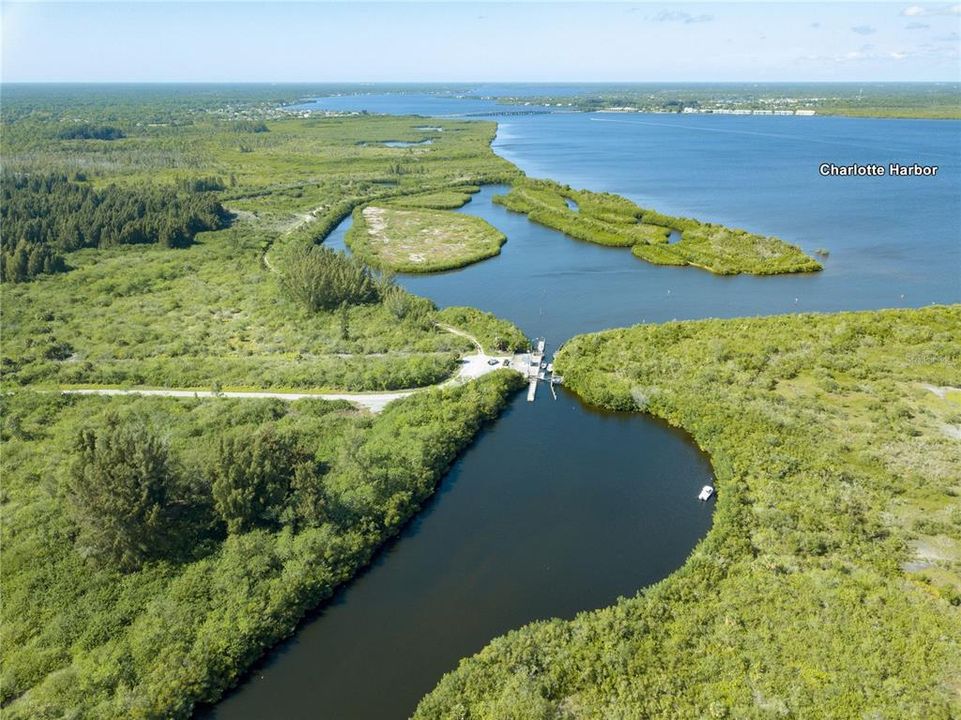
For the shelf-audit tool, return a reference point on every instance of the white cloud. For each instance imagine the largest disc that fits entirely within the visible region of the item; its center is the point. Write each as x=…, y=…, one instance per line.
x=916, y=26
x=682, y=17
x=863, y=30
x=921, y=11
x=864, y=54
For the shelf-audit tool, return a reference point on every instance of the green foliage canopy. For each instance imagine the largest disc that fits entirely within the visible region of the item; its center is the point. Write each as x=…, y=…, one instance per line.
x=119, y=491
x=608, y=219
x=251, y=478
x=322, y=279
x=828, y=585
x=154, y=641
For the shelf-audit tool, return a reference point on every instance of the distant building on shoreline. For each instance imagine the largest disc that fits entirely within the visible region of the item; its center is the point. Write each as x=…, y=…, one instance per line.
x=733, y=111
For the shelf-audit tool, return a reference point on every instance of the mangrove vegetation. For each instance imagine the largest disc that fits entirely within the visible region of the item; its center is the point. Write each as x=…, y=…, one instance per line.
x=608, y=219
x=154, y=548
x=830, y=583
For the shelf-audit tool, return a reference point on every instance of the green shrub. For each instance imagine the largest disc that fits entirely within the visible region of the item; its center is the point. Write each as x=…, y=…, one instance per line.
x=321, y=279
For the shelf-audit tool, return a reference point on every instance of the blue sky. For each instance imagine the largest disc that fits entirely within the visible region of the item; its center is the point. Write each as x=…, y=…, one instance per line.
x=468, y=41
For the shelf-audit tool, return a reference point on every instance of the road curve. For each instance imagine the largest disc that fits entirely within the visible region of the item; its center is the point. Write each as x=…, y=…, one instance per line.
x=471, y=367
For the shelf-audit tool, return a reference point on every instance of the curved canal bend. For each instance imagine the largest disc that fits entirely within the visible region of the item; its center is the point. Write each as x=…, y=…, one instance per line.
x=557, y=507
x=554, y=509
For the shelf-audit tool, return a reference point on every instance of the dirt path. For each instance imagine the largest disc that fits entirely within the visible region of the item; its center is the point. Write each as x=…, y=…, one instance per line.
x=470, y=337
x=375, y=402
x=471, y=367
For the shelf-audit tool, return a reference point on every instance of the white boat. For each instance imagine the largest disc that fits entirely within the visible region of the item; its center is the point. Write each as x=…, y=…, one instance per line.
x=706, y=492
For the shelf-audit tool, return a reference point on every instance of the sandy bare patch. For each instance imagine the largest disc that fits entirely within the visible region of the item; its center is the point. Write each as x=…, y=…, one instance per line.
x=375, y=218
x=425, y=238
x=951, y=431
x=940, y=391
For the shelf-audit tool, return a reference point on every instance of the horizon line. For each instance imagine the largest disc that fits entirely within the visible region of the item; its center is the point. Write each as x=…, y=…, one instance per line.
x=476, y=82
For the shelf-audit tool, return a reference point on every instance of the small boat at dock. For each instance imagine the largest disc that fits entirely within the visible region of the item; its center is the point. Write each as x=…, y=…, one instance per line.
x=706, y=493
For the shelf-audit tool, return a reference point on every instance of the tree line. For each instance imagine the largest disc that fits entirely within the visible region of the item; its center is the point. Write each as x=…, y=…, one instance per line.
x=45, y=217
x=322, y=279
x=88, y=131
x=132, y=501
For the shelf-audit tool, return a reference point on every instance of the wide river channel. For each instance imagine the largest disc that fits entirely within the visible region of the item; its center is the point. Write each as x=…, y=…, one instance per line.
x=558, y=507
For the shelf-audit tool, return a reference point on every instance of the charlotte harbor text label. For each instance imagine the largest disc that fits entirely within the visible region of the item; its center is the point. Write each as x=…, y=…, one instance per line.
x=827, y=169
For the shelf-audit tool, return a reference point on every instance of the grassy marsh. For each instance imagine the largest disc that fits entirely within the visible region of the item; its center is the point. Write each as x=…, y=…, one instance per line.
x=419, y=241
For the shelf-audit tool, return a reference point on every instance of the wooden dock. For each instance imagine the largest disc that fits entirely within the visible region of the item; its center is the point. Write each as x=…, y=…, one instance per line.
x=534, y=368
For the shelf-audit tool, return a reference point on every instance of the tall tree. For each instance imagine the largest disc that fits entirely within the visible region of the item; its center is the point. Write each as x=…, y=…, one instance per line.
x=251, y=479
x=118, y=490
x=322, y=279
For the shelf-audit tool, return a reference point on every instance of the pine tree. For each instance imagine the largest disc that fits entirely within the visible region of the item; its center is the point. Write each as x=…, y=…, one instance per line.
x=251, y=479
x=118, y=490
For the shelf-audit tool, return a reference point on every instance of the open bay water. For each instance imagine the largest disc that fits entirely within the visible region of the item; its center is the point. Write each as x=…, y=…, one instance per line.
x=892, y=241
x=888, y=237
x=557, y=507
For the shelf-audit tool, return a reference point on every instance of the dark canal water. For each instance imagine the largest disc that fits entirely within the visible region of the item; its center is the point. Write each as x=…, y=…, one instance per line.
x=559, y=508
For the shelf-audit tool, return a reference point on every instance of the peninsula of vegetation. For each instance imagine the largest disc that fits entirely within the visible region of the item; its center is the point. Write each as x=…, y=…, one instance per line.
x=608, y=219
x=830, y=583
x=154, y=547
x=419, y=241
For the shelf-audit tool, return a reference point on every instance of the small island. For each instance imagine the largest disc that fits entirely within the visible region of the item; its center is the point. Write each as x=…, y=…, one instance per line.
x=608, y=219
x=421, y=240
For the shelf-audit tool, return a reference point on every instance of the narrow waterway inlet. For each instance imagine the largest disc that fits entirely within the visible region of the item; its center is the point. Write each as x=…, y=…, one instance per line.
x=556, y=508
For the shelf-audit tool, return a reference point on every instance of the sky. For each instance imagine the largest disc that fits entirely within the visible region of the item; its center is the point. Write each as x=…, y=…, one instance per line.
x=472, y=42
